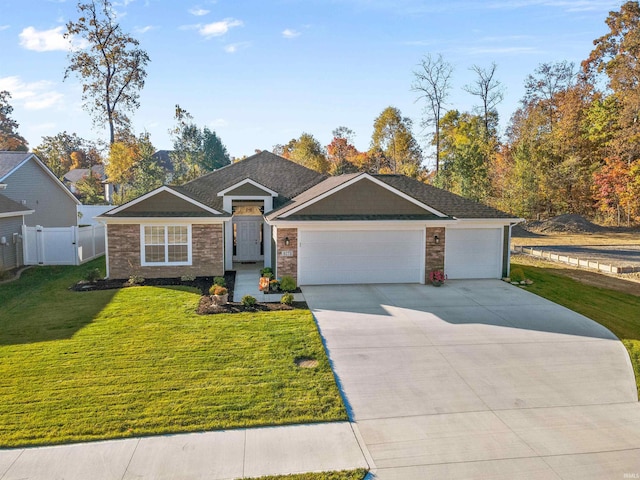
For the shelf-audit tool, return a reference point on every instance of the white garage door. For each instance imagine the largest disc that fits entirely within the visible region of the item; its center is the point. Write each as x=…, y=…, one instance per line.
x=473, y=253
x=339, y=257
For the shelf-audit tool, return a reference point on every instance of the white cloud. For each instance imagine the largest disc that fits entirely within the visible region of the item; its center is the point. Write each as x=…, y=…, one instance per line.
x=290, y=33
x=34, y=95
x=4, y=27
x=198, y=12
x=145, y=29
x=48, y=40
x=45, y=40
x=234, y=47
x=217, y=29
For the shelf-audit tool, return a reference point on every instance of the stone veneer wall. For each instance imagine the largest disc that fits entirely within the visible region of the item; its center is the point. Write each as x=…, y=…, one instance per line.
x=207, y=253
x=287, y=265
x=434, y=257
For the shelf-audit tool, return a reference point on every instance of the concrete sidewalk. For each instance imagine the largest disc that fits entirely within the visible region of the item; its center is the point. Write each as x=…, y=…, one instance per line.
x=247, y=276
x=220, y=455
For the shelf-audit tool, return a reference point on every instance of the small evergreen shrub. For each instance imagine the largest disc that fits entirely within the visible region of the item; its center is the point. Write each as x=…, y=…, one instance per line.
x=92, y=275
x=517, y=275
x=220, y=281
x=248, y=301
x=287, y=299
x=187, y=278
x=288, y=284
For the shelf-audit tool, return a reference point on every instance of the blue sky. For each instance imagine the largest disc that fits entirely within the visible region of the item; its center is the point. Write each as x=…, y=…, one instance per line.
x=263, y=72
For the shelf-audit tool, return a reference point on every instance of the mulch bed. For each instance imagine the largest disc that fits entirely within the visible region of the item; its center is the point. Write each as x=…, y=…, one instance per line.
x=207, y=307
x=201, y=283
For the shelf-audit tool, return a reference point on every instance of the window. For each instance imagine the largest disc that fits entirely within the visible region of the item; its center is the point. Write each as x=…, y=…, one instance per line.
x=166, y=245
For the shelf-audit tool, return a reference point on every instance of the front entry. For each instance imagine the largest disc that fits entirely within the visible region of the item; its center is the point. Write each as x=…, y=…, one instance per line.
x=247, y=239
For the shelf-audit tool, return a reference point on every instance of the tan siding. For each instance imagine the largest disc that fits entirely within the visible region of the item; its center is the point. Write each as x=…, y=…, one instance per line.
x=10, y=255
x=164, y=202
x=53, y=206
x=248, y=189
x=287, y=265
x=363, y=198
x=124, y=253
x=434, y=258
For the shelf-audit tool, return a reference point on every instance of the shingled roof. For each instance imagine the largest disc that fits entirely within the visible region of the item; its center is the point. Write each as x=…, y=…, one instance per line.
x=297, y=185
x=446, y=202
x=276, y=173
x=8, y=207
x=10, y=160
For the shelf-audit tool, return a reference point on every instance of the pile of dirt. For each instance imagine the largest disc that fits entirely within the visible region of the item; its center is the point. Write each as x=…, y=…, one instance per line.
x=567, y=223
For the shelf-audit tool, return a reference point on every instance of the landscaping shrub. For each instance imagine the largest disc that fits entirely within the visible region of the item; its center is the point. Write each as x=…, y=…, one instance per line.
x=92, y=275
x=288, y=284
x=217, y=290
x=517, y=275
x=287, y=299
x=136, y=280
x=189, y=278
x=266, y=272
x=248, y=301
x=219, y=281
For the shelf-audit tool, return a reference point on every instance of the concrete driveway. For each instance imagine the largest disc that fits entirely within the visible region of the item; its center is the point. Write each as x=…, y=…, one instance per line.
x=480, y=379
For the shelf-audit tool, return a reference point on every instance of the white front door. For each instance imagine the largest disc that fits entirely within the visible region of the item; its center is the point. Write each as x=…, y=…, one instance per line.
x=248, y=239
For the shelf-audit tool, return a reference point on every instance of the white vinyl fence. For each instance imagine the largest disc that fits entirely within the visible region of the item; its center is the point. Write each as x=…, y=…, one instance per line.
x=87, y=212
x=62, y=245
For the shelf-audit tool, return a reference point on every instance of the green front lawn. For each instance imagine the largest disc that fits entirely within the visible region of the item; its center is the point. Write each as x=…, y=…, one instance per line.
x=619, y=312
x=78, y=366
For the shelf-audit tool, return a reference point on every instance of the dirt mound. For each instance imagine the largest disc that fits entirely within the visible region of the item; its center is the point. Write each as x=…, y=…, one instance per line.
x=567, y=223
x=521, y=231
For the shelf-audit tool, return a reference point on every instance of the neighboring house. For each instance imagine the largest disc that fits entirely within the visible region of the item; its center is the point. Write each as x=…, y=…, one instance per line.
x=163, y=158
x=11, y=220
x=74, y=175
x=31, y=184
x=356, y=228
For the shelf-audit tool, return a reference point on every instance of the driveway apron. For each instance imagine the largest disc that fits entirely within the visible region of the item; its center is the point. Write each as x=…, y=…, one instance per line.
x=480, y=379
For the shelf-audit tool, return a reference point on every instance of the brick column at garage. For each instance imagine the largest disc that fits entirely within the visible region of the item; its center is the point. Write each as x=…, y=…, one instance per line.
x=287, y=264
x=434, y=257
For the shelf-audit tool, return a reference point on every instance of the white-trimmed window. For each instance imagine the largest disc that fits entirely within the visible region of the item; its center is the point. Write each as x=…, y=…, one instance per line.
x=165, y=244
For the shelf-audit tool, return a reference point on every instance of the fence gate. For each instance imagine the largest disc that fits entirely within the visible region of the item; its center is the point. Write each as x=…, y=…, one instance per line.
x=62, y=245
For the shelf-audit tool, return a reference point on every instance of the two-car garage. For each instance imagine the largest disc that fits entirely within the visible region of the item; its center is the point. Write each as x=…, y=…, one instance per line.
x=337, y=256
x=360, y=256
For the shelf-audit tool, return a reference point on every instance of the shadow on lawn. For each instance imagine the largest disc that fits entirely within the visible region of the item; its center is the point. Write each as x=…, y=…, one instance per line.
x=59, y=322
x=39, y=307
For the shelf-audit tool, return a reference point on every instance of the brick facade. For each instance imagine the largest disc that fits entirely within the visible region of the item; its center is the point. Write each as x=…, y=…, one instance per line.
x=434, y=257
x=207, y=253
x=287, y=265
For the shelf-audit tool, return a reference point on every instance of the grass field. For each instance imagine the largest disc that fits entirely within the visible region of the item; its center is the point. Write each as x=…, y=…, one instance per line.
x=78, y=366
x=618, y=311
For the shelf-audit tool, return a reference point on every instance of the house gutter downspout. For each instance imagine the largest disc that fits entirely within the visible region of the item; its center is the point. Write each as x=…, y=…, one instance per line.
x=508, y=249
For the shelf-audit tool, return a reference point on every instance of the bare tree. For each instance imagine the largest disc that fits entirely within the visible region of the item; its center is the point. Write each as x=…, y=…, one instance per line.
x=432, y=82
x=111, y=67
x=490, y=91
x=543, y=87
